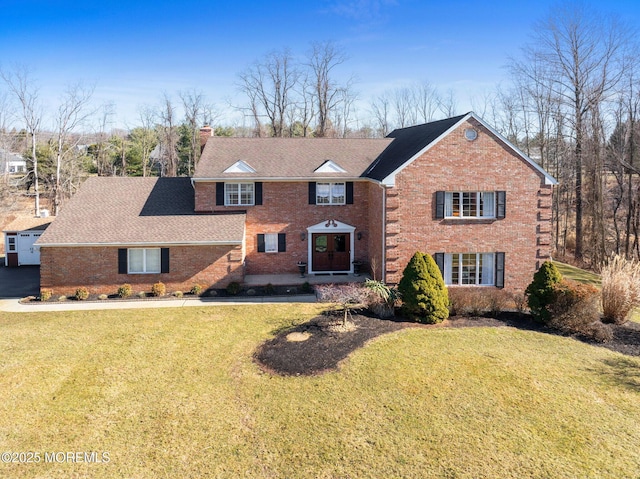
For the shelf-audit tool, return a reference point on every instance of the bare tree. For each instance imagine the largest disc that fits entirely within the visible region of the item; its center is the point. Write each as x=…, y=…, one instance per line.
x=101, y=153
x=270, y=85
x=581, y=51
x=193, y=104
x=323, y=58
x=23, y=87
x=145, y=136
x=380, y=108
x=72, y=113
x=168, y=136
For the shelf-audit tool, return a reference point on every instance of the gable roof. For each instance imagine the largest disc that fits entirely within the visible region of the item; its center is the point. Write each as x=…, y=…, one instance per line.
x=412, y=142
x=139, y=211
x=408, y=143
x=288, y=158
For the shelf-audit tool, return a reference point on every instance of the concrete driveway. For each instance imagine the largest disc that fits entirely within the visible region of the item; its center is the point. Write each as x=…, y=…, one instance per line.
x=19, y=282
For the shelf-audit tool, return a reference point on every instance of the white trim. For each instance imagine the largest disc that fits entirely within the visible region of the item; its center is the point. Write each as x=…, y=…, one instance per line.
x=240, y=183
x=329, y=166
x=144, y=261
x=330, y=226
x=331, y=186
x=390, y=179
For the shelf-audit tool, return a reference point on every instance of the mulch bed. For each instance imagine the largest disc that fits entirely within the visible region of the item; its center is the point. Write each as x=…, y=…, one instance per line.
x=324, y=348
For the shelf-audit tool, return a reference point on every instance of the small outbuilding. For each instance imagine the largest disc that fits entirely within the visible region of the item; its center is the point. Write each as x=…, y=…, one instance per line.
x=19, y=238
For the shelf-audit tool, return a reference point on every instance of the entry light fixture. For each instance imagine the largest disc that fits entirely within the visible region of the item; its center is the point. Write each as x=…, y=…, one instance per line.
x=303, y=235
x=359, y=235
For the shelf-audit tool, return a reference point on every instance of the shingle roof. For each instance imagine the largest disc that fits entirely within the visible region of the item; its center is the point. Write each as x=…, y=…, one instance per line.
x=288, y=158
x=29, y=224
x=130, y=211
x=408, y=142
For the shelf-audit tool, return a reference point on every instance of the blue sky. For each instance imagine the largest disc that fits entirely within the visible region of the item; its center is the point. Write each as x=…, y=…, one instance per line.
x=135, y=50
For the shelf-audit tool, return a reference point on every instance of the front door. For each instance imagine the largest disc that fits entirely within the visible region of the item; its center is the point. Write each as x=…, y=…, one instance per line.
x=331, y=251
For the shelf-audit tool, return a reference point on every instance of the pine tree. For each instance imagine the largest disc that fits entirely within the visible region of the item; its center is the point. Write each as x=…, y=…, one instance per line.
x=424, y=295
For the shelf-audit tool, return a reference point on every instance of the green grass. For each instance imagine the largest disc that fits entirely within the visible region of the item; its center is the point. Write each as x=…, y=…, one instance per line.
x=577, y=274
x=175, y=393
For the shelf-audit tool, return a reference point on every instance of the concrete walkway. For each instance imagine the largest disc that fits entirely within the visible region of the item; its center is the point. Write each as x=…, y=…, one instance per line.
x=14, y=305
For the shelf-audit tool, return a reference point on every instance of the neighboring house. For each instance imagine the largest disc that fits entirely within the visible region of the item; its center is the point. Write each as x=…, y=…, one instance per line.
x=454, y=188
x=12, y=163
x=19, y=240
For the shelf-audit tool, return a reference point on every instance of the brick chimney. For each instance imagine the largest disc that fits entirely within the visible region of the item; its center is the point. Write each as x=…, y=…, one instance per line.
x=206, y=132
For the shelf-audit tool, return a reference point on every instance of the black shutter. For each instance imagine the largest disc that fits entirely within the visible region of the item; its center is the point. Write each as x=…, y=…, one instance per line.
x=439, y=205
x=164, y=260
x=312, y=192
x=501, y=204
x=282, y=242
x=258, y=192
x=349, y=188
x=261, y=245
x=439, y=259
x=220, y=194
x=122, y=260
x=500, y=270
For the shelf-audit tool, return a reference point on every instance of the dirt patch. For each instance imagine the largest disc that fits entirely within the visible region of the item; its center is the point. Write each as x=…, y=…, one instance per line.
x=324, y=346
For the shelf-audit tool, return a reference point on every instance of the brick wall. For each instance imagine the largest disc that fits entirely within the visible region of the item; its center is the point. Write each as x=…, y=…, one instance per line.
x=65, y=269
x=285, y=209
x=456, y=164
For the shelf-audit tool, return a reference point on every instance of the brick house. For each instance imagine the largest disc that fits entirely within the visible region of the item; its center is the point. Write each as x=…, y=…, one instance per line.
x=454, y=188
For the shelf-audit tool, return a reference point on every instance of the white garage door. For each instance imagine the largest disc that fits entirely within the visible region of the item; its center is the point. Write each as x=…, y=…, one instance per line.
x=28, y=253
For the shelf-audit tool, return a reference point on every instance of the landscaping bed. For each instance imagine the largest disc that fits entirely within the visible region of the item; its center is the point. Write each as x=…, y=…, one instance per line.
x=318, y=348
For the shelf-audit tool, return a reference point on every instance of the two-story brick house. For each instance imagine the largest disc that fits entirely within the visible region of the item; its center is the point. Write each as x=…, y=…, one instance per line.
x=454, y=188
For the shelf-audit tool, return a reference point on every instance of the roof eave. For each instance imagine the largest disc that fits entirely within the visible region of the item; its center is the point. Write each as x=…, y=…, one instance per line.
x=139, y=244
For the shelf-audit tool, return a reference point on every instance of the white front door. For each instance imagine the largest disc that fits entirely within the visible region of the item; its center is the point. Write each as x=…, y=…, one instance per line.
x=28, y=253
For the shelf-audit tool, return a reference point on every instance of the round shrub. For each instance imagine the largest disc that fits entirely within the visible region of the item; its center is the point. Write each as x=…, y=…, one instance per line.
x=178, y=294
x=125, y=290
x=540, y=293
x=233, y=288
x=102, y=297
x=196, y=289
x=82, y=293
x=158, y=289
x=424, y=295
x=45, y=294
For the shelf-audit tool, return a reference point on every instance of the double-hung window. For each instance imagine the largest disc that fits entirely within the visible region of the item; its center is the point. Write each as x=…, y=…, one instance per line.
x=239, y=194
x=330, y=193
x=469, y=204
x=144, y=260
x=471, y=269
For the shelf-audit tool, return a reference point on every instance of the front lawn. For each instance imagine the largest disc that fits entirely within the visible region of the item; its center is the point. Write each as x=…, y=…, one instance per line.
x=175, y=393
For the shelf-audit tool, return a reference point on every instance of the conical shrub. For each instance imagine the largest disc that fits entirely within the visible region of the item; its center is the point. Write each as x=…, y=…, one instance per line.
x=540, y=293
x=424, y=295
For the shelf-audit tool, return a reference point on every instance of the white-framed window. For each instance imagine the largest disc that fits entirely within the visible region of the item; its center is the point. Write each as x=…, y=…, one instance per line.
x=239, y=194
x=470, y=204
x=271, y=242
x=330, y=193
x=462, y=269
x=12, y=243
x=144, y=260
